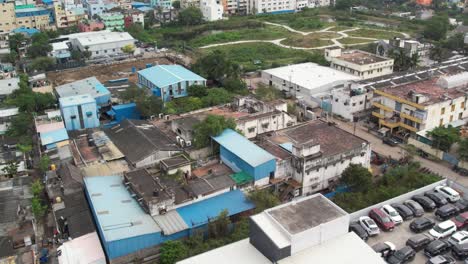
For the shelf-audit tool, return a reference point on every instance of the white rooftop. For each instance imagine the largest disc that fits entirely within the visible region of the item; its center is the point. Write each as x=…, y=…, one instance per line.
x=104, y=37
x=60, y=46
x=84, y=249
x=310, y=75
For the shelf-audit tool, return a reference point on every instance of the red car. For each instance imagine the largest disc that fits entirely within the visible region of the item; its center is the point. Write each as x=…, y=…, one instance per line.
x=461, y=220
x=382, y=219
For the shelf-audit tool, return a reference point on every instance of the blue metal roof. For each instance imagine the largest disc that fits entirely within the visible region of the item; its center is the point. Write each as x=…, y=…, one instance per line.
x=287, y=146
x=243, y=148
x=28, y=31
x=118, y=215
x=165, y=75
x=123, y=106
x=199, y=213
x=54, y=136
x=76, y=100
x=145, y=9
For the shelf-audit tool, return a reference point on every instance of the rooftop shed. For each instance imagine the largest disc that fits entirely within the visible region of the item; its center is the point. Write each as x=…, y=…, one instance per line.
x=90, y=86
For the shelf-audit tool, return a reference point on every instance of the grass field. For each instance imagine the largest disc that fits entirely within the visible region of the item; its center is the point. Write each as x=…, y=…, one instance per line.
x=373, y=33
x=265, y=54
x=310, y=41
x=353, y=41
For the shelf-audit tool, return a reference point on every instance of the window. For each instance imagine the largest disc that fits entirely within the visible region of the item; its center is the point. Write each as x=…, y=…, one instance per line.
x=251, y=129
x=442, y=111
x=354, y=104
x=361, y=102
x=441, y=122
x=89, y=114
x=451, y=118
x=460, y=116
x=453, y=108
x=462, y=105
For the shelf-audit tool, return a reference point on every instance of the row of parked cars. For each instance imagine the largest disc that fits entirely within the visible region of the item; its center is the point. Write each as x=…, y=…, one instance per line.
x=447, y=204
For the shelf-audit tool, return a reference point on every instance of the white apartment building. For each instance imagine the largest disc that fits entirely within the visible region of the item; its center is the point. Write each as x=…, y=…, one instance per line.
x=270, y=6
x=301, y=4
x=347, y=102
x=359, y=63
x=211, y=10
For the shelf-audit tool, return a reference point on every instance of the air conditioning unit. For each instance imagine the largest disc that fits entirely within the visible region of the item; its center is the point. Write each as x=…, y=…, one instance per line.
x=182, y=142
x=178, y=138
x=296, y=192
x=166, y=117
x=188, y=143
x=161, y=115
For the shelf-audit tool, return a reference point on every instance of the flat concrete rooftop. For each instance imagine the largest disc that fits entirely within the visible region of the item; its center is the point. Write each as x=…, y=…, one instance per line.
x=308, y=213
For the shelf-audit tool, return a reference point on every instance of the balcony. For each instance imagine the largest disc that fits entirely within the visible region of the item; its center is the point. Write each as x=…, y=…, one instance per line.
x=412, y=118
x=390, y=122
x=410, y=128
x=383, y=107
x=378, y=115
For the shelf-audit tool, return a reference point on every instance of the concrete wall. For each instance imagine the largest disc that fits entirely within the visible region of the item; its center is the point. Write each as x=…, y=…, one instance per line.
x=399, y=199
x=426, y=148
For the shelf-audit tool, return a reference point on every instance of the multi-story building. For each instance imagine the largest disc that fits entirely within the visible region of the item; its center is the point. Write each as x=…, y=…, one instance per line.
x=408, y=46
x=164, y=4
x=270, y=6
x=8, y=17
x=29, y=16
x=168, y=81
x=211, y=10
x=97, y=7
x=359, y=63
x=134, y=17
x=101, y=43
x=88, y=26
x=66, y=17
x=422, y=104
x=60, y=51
x=79, y=112
x=113, y=21
x=350, y=102
x=189, y=3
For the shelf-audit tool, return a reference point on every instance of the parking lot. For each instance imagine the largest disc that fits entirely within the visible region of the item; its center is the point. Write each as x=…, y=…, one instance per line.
x=401, y=234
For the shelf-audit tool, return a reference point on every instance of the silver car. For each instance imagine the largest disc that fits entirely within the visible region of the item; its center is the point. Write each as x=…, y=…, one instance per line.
x=415, y=207
x=369, y=225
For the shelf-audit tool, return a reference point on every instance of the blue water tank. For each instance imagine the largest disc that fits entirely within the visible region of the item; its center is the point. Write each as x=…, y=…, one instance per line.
x=149, y=65
x=133, y=69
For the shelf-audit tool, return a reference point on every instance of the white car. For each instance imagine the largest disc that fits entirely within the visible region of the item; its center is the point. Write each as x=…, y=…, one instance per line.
x=443, y=229
x=369, y=225
x=392, y=213
x=460, y=237
x=448, y=193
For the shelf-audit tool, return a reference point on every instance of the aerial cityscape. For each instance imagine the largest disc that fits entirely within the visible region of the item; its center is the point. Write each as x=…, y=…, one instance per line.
x=233, y=132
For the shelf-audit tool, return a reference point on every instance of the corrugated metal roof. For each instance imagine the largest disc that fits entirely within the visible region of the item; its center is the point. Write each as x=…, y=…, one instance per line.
x=243, y=148
x=118, y=215
x=54, y=136
x=200, y=213
x=171, y=222
x=76, y=100
x=164, y=75
x=242, y=178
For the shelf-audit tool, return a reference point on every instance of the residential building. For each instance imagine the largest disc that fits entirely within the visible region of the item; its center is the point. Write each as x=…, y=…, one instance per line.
x=408, y=46
x=91, y=86
x=101, y=43
x=8, y=18
x=60, y=51
x=189, y=3
x=319, y=153
x=233, y=7
x=51, y=130
x=7, y=86
x=6, y=116
x=168, y=81
x=88, y=26
x=113, y=203
x=271, y=7
x=40, y=84
x=97, y=7
x=142, y=143
x=79, y=112
x=134, y=17
x=68, y=16
x=349, y=102
x=30, y=16
x=359, y=63
x=113, y=21
x=308, y=82
x=422, y=104
x=240, y=154
x=303, y=231
x=86, y=248
x=164, y=4
x=211, y=10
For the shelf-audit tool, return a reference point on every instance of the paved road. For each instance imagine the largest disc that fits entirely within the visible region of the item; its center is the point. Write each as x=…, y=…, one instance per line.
x=440, y=168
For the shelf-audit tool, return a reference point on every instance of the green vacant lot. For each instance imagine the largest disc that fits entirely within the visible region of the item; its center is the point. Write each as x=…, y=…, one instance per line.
x=373, y=33
x=310, y=41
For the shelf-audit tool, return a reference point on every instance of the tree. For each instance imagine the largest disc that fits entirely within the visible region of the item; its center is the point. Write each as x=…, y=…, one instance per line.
x=455, y=42
x=219, y=228
x=463, y=149
x=197, y=90
x=44, y=163
x=343, y=4
x=128, y=48
x=215, y=66
x=15, y=41
x=444, y=137
x=12, y=56
x=21, y=125
x=172, y=251
x=216, y=96
x=235, y=85
x=357, y=177
x=149, y=105
x=38, y=208
x=37, y=188
x=176, y=4
x=40, y=46
x=263, y=199
x=210, y=127
x=42, y=63
x=267, y=93
x=436, y=28
x=11, y=169
x=76, y=55
x=190, y=16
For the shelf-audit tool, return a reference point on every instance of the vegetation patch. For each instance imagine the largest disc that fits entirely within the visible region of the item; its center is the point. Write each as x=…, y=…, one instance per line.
x=354, y=41
x=374, y=33
x=310, y=41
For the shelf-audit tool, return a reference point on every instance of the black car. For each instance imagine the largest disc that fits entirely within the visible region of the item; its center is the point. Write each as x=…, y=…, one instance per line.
x=421, y=224
x=425, y=202
x=460, y=251
x=403, y=255
x=385, y=249
x=437, y=247
x=419, y=241
x=462, y=205
x=390, y=141
x=446, y=212
x=441, y=259
x=438, y=199
x=403, y=211
x=357, y=228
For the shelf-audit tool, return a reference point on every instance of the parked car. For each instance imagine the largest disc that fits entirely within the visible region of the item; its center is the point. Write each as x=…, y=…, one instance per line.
x=438, y=198
x=443, y=229
x=436, y=247
x=441, y=259
x=449, y=193
x=419, y=241
x=403, y=210
x=426, y=203
x=461, y=220
x=446, y=212
x=403, y=255
x=460, y=251
x=415, y=207
x=390, y=141
x=359, y=230
x=421, y=224
x=462, y=205
x=460, y=237
x=382, y=219
x=369, y=225
x=392, y=213
x=384, y=248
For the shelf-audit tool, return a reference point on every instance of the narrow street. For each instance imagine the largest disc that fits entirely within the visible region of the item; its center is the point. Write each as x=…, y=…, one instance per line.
x=441, y=168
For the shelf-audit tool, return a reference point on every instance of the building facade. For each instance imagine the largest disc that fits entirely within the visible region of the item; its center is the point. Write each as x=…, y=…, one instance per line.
x=101, y=43
x=113, y=21
x=270, y=6
x=8, y=18
x=79, y=112
x=211, y=10
x=29, y=16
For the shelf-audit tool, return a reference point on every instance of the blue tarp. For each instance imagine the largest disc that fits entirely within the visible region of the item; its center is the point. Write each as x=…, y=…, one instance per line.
x=198, y=214
x=27, y=31
x=54, y=136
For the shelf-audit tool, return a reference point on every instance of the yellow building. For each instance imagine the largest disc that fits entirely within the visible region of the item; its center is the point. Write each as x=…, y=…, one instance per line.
x=7, y=19
x=65, y=18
